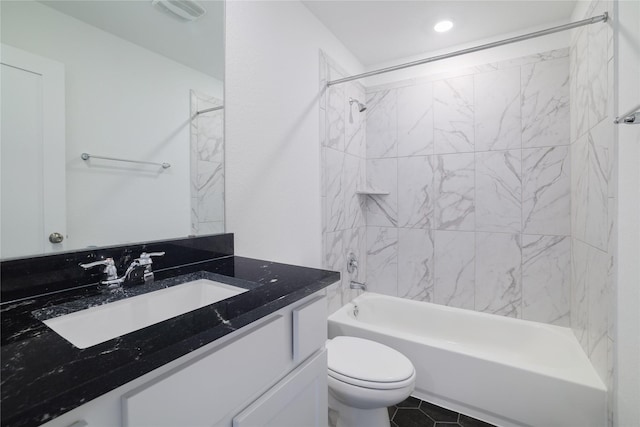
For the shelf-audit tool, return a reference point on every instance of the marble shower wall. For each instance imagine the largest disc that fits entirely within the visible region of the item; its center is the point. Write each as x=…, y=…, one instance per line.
x=477, y=163
x=342, y=136
x=593, y=192
x=501, y=191
x=207, y=166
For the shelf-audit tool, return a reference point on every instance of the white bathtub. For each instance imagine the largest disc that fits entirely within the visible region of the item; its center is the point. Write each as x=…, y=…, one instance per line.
x=505, y=371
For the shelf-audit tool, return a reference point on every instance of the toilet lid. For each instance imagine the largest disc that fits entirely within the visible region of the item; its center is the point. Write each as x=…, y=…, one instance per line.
x=367, y=360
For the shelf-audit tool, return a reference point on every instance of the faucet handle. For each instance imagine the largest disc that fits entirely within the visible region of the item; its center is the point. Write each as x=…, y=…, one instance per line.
x=145, y=258
x=107, y=262
x=145, y=261
x=352, y=263
x=109, y=267
x=150, y=254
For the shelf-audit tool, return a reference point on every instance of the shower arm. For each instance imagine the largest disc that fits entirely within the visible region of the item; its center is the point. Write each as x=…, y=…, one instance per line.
x=594, y=19
x=361, y=106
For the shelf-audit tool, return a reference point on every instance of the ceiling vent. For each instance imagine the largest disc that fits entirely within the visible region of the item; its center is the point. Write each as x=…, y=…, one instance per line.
x=185, y=10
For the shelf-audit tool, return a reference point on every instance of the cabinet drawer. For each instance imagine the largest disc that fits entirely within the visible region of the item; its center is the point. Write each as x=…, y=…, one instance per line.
x=309, y=328
x=204, y=390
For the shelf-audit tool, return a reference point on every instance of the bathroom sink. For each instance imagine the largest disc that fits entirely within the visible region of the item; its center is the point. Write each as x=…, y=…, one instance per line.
x=98, y=324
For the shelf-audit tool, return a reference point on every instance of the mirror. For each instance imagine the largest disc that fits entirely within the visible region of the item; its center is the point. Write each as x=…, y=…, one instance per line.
x=91, y=90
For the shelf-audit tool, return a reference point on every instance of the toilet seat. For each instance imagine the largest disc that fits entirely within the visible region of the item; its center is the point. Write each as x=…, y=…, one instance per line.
x=368, y=364
x=370, y=384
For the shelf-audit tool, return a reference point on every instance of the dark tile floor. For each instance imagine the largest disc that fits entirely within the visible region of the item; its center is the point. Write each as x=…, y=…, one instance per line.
x=418, y=413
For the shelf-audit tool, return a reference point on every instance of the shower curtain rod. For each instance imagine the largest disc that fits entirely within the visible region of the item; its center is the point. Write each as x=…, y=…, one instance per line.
x=588, y=21
x=208, y=110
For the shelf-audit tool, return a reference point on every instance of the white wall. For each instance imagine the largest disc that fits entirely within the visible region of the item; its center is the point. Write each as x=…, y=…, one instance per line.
x=122, y=101
x=272, y=128
x=628, y=248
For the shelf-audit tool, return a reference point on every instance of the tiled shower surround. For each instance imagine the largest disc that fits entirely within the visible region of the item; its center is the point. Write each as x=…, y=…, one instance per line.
x=207, y=166
x=502, y=191
x=477, y=168
x=343, y=169
x=593, y=193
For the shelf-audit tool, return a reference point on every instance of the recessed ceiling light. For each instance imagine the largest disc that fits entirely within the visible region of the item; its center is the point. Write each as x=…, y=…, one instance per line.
x=443, y=26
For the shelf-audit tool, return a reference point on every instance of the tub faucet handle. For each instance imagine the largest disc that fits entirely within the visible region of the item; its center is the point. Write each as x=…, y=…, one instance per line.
x=352, y=263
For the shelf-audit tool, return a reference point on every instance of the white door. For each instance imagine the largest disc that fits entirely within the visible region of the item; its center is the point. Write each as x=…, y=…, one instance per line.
x=32, y=153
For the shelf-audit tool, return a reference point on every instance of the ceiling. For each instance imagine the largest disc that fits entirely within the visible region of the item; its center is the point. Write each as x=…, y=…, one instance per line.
x=198, y=44
x=380, y=31
x=375, y=31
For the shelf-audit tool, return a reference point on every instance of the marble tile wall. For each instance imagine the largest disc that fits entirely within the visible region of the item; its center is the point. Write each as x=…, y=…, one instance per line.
x=477, y=163
x=593, y=192
x=501, y=191
x=342, y=136
x=207, y=166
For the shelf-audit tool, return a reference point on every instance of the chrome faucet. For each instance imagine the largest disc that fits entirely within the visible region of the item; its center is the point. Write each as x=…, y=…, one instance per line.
x=357, y=285
x=112, y=280
x=143, y=262
x=109, y=269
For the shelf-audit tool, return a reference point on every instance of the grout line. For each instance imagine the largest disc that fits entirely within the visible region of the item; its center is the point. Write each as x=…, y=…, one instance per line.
x=521, y=94
x=472, y=152
x=397, y=251
x=475, y=195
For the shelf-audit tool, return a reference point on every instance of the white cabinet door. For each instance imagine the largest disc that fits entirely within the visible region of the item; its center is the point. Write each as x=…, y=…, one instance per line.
x=33, y=153
x=299, y=400
x=309, y=328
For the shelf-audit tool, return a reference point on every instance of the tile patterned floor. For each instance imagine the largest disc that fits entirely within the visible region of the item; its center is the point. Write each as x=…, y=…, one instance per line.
x=418, y=413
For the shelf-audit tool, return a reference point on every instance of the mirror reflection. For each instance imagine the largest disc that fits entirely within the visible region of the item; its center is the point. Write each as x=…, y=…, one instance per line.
x=135, y=86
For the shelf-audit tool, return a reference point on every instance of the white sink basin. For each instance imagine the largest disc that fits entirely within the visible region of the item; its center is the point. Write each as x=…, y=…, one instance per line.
x=102, y=323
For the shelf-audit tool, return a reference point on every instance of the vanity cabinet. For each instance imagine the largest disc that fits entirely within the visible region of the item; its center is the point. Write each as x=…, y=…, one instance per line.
x=272, y=372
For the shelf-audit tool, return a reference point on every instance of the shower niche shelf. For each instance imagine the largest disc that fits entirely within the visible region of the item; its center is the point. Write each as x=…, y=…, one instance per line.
x=372, y=192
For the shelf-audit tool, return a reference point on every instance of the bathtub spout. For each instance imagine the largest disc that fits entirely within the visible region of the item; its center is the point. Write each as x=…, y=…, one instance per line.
x=358, y=285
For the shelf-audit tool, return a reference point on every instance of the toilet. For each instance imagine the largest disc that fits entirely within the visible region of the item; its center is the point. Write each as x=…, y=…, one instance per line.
x=365, y=377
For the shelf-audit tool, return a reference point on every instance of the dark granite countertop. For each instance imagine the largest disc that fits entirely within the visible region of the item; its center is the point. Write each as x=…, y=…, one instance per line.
x=44, y=376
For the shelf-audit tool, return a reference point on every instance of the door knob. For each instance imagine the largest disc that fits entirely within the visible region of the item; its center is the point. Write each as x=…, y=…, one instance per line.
x=56, y=238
